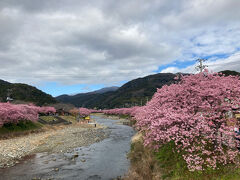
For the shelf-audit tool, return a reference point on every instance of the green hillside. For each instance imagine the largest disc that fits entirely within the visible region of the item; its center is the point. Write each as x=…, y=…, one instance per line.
x=135, y=92
x=24, y=93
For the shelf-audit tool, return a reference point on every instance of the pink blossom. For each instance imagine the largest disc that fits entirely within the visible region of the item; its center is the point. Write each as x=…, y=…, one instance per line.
x=193, y=114
x=12, y=113
x=84, y=112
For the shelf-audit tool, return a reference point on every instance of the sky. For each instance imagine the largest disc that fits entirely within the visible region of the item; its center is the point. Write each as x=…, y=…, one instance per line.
x=72, y=46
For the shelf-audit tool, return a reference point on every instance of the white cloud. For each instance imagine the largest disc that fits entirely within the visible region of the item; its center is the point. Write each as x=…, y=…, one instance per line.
x=214, y=65
x=79, y=42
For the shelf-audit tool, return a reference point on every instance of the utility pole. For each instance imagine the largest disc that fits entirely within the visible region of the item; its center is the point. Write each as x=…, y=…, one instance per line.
x=201, y=67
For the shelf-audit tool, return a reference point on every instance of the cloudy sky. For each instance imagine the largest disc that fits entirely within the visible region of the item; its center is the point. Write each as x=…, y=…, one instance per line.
x=70, y=46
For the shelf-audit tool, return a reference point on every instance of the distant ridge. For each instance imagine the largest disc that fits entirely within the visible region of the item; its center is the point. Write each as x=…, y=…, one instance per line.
x=135, y=92
x=106, y=89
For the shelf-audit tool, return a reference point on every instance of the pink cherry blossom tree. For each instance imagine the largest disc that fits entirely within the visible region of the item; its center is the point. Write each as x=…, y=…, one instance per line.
x=121, y=111
x=193, y=113
x=10, y=113
x=84, y=112
x=47, y=110
x=13, y=113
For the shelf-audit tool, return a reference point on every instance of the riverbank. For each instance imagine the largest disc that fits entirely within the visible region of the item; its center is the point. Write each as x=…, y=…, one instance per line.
x=168, y=164
x=143, y=163
x=23, y=128
x=59, y=139
x=106, y=159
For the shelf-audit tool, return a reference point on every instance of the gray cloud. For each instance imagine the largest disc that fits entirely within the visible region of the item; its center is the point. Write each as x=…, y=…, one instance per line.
x=92, y=42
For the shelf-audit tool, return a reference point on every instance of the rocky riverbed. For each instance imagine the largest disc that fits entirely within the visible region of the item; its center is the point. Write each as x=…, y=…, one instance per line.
x=60, y=140
x=106, y=159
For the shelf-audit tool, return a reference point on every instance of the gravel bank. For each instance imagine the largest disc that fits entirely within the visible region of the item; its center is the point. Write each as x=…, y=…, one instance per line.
x=56, y=141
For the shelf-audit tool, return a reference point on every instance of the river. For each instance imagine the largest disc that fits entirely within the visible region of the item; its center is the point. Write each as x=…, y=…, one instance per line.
x=104, y=160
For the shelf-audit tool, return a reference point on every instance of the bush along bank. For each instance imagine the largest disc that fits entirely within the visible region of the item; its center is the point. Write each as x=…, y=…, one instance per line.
x=10, y=130
x=143, y=164
x=147, y=164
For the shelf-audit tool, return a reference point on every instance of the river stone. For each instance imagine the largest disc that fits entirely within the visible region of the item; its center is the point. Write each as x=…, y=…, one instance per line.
x=75, y=155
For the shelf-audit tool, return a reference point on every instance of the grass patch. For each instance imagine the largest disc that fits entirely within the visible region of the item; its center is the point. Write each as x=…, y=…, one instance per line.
x=143, y=163
x=52, y=118
x=10, y=129
x=169, y=165
x=69, y=118
x=48, y=118
x=173, y=166
x=123, y=116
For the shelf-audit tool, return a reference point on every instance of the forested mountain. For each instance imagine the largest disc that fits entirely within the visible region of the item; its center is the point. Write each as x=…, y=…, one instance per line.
x=24, y=93
x=135, y=92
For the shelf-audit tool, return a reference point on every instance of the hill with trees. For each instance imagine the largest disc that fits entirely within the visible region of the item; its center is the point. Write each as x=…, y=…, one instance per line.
x=23, y=93
x=135, y=92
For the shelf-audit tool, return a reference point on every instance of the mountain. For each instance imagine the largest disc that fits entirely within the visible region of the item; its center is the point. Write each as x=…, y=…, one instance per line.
x=24, y=93
x=135, y=92
x=87, y=99
x=107, y=89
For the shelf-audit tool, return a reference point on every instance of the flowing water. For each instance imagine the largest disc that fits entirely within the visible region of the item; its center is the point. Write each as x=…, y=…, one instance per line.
x=103, y=160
